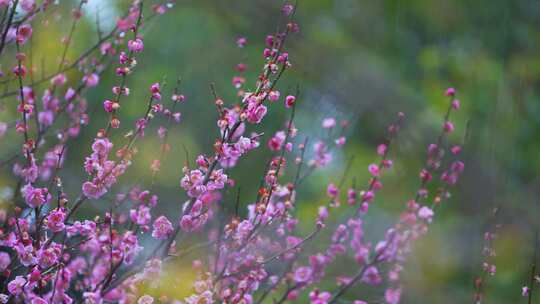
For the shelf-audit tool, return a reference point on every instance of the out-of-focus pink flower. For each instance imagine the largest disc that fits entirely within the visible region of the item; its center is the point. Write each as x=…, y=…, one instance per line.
x=448, y=127
x=329, y=123
x=15, y=287
x=146, y=299
x=392, y=296
x=136, y=45
x=374, y=170
x=5, y=260
x=241, y=42
x=91, y=80
x=425, y=213
x=303, y=274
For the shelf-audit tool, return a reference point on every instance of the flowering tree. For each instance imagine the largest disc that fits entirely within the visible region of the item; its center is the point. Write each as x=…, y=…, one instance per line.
x=51, y=253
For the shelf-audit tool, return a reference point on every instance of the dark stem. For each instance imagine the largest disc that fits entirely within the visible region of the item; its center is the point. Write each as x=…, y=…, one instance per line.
x=8, y=25
x=533, y=269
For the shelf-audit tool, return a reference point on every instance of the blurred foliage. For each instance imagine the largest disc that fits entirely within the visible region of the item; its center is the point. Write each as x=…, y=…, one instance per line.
x=363, y=61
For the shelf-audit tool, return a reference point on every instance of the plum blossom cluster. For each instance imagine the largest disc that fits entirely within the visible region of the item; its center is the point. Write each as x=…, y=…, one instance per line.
x=51, y=253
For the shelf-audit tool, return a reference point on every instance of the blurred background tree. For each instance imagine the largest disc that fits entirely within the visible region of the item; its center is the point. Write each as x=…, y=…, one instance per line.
x=362, y=61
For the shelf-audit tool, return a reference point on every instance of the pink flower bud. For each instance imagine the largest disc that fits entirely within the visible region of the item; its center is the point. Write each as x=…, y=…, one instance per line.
x=241, y=42
x=108, y=106
x=273, y=96
x=381, y=149
x=332, y=190
x=455, y=150
x=448, y=127
x=455, y=104
x=374, y=169
x=287, y=9
x=450, y=92
x=289, y=101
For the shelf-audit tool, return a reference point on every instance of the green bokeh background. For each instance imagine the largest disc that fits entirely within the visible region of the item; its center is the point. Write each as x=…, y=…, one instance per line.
x=363, y=61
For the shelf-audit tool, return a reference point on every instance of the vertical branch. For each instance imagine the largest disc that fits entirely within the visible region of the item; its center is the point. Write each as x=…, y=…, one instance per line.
x=123, y=82
x=533, y=269
x=70, y=37
x=488, y=252
x=21, y=95
x=8, y=25
x=165, y=143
